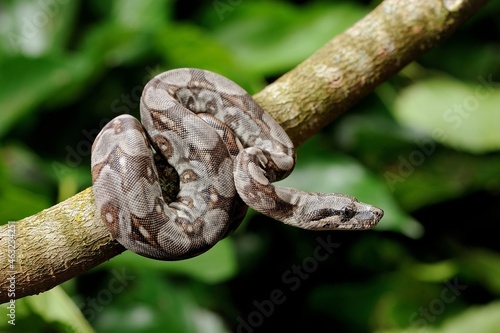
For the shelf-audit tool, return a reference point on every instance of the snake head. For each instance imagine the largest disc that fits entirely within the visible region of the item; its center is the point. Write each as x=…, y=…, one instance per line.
x=337, y=212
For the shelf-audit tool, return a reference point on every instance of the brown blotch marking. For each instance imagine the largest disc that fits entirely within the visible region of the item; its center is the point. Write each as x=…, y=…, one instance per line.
x=140, y=170
x=198, y=80
x=211, y=158
x=130, y=176
x=232, y=144
x=188, y=176
x=211, y=197
x=96, y=170
x=233, y=101
x=164, y=146
x=196, y=86
x=134, y=124
x=158, y=83
x=137, y=235
x=211, y=106
x=109, y=215
x=264, y=128
x=156, y=118
x=114, y=159
x=245, y=103
x=218, y=201
x=187, y=201
x=192, y=229
x=169, y=88
x=196, y=154
x=214, y=196
x=117, y=126
x=282, y=209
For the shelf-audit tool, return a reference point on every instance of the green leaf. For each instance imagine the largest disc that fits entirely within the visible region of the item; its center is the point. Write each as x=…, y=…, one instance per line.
x=17, y=203
x=151, y=304
x=141, y=15
x=459, y=115
x=385, y=300
x=216, y=265
x=23, y=185
x=270, y=37
x=54, y=306
x=111, y=45
x=484, y=319
x=35, y=28
x=26, y=83
x=475, y=319
x=483, y=265
x=176, y=43
x=418, y=182
x=434, y=272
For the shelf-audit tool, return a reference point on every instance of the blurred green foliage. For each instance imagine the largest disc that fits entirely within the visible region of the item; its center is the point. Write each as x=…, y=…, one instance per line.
x=424, y=147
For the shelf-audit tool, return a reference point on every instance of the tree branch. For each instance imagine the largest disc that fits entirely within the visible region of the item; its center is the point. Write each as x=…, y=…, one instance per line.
x=68, y=238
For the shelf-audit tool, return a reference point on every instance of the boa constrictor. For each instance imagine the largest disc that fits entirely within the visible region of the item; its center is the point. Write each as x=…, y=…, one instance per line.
x=224, y=147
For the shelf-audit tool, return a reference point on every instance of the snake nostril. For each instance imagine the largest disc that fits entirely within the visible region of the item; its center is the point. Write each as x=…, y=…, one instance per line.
x=379, y=213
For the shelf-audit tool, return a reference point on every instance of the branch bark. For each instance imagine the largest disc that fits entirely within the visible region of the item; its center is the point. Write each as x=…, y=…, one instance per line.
x=68, y=238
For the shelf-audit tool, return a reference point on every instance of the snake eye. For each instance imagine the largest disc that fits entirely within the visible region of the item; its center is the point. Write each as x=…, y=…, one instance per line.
x=348, y=212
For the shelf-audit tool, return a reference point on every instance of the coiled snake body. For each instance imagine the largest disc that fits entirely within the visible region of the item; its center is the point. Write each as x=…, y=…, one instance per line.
x=224, y=147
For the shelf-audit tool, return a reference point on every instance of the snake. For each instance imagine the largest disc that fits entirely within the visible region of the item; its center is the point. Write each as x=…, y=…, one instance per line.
x=227, y=152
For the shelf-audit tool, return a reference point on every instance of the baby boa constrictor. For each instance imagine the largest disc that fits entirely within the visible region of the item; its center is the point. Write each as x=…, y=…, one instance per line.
x=224, y=147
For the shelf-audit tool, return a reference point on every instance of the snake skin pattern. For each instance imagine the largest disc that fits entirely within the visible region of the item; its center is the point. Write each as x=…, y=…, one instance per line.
x=226, y=150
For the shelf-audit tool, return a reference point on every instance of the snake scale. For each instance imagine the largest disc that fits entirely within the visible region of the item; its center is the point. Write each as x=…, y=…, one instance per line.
x=227, y=152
